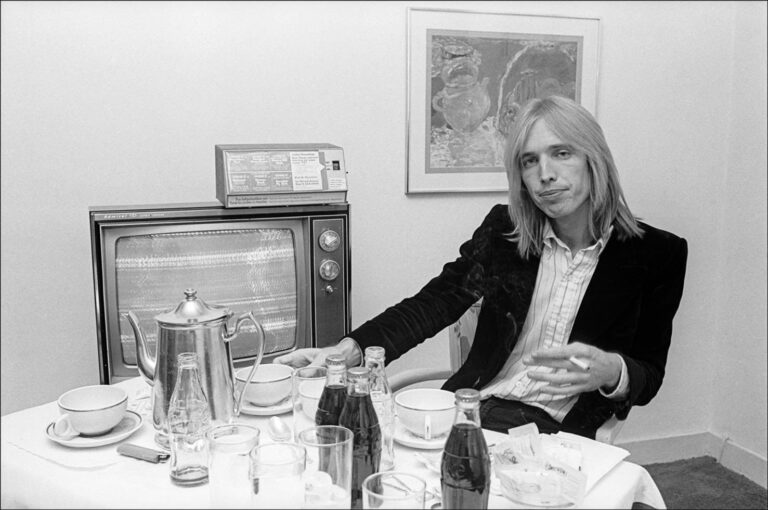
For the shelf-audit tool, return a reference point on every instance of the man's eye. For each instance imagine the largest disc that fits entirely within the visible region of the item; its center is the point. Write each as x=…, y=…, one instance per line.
x=563, y=154
x=528, y=162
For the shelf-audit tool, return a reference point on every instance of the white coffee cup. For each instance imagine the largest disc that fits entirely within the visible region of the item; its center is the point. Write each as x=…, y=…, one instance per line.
x=90, y=411
x=270, y=385
x=426, y=412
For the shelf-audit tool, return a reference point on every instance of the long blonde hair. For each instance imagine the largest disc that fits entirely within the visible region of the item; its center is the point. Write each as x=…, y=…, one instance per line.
x=573, y=124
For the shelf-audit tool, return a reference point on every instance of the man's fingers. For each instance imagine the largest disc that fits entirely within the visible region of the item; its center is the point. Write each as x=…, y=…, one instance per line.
x=559, y=378
x=298, y=358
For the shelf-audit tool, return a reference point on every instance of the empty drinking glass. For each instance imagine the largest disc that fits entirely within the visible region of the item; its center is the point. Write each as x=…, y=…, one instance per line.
x=328, y=474
x=276, y=475
x=393, y=489
x=228, y=473
x=308, y=384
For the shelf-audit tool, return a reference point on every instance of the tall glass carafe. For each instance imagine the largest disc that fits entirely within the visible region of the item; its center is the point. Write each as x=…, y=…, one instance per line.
x=465, y=471
x=383, y=403
x=334, y=393
x=189, y=419
x=359, y=416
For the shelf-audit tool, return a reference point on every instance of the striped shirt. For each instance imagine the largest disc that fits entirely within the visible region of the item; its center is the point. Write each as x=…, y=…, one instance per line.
x=561, y=282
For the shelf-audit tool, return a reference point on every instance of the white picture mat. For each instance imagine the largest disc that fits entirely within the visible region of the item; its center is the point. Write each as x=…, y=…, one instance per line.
x=419, y=21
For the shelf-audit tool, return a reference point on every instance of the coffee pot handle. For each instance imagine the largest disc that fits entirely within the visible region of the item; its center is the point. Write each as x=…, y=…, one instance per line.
x=257, y=361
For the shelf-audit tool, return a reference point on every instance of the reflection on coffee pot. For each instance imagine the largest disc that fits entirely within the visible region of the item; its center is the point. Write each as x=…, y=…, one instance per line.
x=193, y=326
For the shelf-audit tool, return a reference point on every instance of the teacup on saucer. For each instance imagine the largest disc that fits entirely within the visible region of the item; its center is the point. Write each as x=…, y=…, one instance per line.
x=90, y=410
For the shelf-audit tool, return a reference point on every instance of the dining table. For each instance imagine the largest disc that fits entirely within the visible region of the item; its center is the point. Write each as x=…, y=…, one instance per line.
x=39, y=472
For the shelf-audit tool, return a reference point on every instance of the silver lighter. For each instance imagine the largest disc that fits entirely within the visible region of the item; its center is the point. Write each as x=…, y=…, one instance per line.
x=142, y=453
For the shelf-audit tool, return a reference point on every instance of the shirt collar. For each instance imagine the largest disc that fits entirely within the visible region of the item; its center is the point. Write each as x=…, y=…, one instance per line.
x=550, y=237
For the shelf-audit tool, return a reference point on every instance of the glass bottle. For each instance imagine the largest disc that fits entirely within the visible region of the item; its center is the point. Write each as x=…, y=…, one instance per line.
x=383, y=403
x=359, y=416
x=189, y=419
x=334, y=393
x=465, y=471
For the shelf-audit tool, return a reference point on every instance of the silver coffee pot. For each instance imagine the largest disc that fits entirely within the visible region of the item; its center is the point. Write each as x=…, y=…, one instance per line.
x=193, y=326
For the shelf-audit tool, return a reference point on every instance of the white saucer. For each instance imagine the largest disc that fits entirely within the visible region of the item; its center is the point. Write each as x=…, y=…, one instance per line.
x=281, y=407
x=127, y=426
x=406, y=438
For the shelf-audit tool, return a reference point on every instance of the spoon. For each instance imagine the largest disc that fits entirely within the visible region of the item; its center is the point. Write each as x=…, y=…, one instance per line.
x=427, y=462
x=278, y=430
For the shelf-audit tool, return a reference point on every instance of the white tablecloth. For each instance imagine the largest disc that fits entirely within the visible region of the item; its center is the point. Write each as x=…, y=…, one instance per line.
x=38, y=473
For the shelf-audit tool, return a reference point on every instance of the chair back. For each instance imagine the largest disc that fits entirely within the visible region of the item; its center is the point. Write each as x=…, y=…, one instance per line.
x=461, y=335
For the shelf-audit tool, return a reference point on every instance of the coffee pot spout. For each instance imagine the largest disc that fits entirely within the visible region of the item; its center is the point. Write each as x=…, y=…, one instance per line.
x=145, y=361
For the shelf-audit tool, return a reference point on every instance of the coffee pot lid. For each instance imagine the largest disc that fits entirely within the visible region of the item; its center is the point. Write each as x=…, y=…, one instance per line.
x=192, y=310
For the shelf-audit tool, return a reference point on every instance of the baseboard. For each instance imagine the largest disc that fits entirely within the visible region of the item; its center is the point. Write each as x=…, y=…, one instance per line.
x=737, y=458
x=731, y=455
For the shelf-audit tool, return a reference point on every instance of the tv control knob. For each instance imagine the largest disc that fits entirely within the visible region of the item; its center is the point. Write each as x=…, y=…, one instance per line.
x=329, y=289
x=329, y=270
x=329, y=240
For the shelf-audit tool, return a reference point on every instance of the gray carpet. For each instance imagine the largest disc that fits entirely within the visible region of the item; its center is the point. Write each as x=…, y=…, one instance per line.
x=703, y=483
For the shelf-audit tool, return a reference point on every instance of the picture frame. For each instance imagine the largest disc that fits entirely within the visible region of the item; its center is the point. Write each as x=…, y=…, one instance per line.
x=468, y=73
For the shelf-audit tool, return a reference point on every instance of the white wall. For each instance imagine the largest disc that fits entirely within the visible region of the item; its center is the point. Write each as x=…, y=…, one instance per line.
x=122, y=103
x=740, y=351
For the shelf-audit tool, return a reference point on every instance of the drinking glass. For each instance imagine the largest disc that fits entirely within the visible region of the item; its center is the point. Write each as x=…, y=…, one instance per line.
x=328, y=475
x=277, y=475
x=393, y=489
x=228, y=474
x=308, y=384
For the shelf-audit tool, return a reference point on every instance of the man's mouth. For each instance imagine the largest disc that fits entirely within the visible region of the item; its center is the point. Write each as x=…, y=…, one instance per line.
x=550, y=193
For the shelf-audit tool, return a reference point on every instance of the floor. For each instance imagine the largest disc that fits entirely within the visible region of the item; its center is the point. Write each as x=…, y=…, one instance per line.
x=701, y=482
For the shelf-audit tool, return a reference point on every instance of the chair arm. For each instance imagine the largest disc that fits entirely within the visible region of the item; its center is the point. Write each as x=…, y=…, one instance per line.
x=405, y=378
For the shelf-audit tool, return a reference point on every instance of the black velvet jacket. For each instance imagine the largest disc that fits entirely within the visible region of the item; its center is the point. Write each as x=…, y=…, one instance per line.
x=628, y=308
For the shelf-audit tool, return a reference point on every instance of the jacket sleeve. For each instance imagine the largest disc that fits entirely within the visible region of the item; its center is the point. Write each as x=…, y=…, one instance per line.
x=646, y=363
x=439, y=303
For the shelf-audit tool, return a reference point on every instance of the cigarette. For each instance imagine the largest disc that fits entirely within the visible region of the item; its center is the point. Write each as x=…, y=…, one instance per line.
x=576, y=361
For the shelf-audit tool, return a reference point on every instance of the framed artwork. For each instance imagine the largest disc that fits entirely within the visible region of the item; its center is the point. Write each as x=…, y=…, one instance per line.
x=468, y=75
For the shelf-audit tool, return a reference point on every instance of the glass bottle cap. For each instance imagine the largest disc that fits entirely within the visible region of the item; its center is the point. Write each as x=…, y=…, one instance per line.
x=336, y=360
x=357, y=373
x=187, y=359
x=374, y=351
x=467, y=395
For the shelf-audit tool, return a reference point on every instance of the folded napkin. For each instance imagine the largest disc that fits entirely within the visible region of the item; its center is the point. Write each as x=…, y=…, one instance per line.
x=598, y=459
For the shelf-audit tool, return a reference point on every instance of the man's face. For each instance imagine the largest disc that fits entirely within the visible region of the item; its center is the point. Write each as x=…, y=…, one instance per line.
x=556, y=177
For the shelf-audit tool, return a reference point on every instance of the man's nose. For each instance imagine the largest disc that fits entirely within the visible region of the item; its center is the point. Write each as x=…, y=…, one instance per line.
x=546, y=171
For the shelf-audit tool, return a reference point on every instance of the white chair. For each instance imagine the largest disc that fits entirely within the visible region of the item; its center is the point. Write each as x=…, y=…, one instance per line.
x=461, y=334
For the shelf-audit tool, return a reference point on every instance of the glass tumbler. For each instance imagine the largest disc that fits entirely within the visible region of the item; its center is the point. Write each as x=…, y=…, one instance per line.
x=328, y=474
x=276, y=475
x=393, y=489
x=308, y=384
x=228, y=473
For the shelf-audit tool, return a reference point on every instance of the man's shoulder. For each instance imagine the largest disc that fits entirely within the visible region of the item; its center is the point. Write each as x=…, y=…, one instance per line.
x=656, y=236
x=498, y=217
x=661, y=245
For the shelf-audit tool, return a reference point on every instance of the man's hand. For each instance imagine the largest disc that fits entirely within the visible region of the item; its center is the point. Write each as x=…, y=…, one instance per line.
x=603, y=369
x=302, y=358
x=347, y=347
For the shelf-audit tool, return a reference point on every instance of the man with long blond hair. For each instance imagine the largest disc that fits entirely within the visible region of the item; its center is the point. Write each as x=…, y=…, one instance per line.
x=578, y=295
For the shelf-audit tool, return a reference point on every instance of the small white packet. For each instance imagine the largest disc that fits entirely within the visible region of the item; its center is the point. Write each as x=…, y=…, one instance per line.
x=522, y=444
x=563, y=450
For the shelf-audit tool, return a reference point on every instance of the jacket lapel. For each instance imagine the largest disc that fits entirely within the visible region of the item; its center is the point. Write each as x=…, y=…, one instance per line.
x=617, y=277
